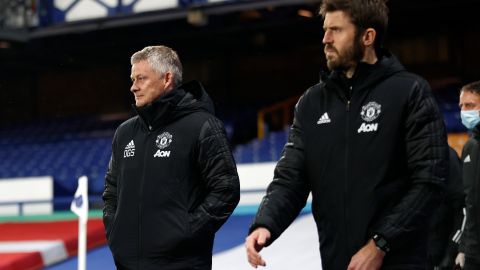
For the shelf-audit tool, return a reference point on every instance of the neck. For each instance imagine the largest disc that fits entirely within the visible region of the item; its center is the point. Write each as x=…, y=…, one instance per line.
x=369, y=57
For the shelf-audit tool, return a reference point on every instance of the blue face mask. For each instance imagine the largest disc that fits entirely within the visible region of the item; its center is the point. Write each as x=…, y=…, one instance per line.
x=470, y=118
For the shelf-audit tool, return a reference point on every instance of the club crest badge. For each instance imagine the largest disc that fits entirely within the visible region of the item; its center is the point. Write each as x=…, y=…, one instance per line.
x=371, y=111
x=163, y=140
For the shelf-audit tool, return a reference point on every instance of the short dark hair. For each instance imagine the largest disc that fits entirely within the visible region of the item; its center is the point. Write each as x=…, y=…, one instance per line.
x=473, y=87
x=364, y=14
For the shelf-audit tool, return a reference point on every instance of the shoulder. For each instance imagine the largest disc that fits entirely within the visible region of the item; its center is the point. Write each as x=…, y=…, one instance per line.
x=398, y=76
x=470, y=145
x=410, y=82
x=127, y=125
x=196, y=120
x=211, y=126
x=470, y=151
x=199, y=124
x=414, y=90
x=315, y=89
x=312, y=93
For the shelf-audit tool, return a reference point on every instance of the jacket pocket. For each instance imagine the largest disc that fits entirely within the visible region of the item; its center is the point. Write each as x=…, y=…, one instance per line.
x=164, y=232
x=165, y=221
x=111, y=229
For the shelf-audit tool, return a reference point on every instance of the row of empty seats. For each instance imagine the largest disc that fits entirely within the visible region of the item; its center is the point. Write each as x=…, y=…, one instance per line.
x=262, y=150
x=64, y=149
x=68, y=149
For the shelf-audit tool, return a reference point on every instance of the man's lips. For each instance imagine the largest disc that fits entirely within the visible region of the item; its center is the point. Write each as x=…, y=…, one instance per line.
x=329, y=50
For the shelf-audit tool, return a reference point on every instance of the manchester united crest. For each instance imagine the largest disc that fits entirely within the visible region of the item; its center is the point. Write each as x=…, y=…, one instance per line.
x=163, y=140
x=371, y=111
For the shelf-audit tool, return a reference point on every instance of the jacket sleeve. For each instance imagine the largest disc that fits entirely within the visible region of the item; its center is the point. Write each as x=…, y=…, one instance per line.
x=466, y=176
x=455, y=197
x=219, y=174
x=470, y=239
x=448, y=216
x=427, y=157
x=288, y=192
x=109, y=195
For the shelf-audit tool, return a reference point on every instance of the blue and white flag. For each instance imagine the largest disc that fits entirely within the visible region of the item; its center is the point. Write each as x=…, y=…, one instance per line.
x=79, y=204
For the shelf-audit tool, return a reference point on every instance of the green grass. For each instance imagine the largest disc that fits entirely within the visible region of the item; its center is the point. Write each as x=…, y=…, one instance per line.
x=59, y=215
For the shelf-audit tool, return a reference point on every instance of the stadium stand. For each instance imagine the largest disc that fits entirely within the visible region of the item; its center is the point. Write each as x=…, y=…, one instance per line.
x=64, y=149
x=261, y=150
x=69, y=148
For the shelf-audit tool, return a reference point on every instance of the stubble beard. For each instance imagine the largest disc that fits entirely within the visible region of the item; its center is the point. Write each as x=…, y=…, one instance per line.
x=343, y=61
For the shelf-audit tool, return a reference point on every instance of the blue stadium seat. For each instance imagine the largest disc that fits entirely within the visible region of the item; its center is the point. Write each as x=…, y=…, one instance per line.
x=63, y=149
x=262, y=150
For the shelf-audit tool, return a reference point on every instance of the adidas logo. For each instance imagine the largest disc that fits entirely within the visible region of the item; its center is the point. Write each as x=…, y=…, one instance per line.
x=130, y=145
x=467, y=159
x=129, y=150
x=324, y=119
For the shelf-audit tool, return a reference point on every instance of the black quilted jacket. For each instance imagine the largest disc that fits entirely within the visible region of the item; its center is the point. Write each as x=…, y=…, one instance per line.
x=470, y=241
x=373, y=152
x=170, y=185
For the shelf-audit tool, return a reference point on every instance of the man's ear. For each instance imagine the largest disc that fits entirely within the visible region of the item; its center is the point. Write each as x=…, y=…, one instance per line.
x=368, y=37
x=168, y=80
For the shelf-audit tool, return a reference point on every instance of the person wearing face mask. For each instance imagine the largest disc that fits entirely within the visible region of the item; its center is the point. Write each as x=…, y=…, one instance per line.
x=469, y=256
x=447, y=219
x=171, y=181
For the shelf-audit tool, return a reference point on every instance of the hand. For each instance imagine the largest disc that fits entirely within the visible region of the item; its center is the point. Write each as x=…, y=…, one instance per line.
x=460, y=259
x=369, y=257
x=254, y=243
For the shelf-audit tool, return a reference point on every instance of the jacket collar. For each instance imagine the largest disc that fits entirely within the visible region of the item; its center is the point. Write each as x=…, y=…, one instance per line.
x=159, y=112
x=476, y=132
x=365, y=74
x=187, y=98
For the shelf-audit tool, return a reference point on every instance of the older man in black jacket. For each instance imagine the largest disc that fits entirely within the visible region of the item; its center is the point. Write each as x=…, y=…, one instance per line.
x=172, y=180
x=369, y=143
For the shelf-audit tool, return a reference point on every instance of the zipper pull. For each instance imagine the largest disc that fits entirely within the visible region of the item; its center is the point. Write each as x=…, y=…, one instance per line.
x=350, y=97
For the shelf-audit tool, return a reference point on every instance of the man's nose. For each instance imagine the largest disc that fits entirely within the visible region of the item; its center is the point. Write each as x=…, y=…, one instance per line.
x=327, y=37
x=134, y=87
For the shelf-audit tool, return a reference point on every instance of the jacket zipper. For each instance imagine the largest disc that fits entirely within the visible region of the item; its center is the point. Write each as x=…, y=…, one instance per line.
x=140, y=201
x=347, y=154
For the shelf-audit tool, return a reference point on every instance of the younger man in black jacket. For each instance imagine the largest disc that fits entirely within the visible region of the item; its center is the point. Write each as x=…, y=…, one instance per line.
x=369, y=143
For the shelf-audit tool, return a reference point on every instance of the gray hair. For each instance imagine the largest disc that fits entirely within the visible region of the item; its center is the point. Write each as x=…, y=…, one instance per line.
x=162, y=59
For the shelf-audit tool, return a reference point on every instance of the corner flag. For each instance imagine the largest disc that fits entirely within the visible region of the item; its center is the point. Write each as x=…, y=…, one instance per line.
x=79, y=204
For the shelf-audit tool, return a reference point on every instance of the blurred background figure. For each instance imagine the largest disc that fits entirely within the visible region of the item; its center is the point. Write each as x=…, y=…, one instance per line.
x=447, y=219
x=469, y=255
